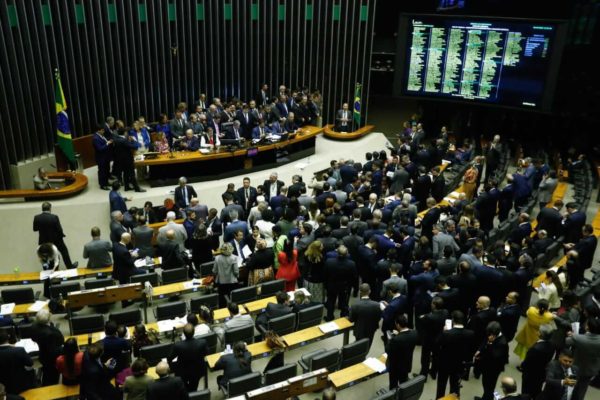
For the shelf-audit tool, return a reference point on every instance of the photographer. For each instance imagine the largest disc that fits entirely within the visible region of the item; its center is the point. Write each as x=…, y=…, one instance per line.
x=49, y=257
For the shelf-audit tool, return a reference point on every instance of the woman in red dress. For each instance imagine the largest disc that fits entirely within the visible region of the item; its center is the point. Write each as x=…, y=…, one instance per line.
x=288, y=266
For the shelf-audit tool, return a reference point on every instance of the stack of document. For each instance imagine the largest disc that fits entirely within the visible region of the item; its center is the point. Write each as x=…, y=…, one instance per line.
x=192, y=283
x=29, y=345
x=168, y=324
x=374, y=364
x=61, y=274
x=329, y=327
x=303, y=290
x=38, y=305
x=7, y=309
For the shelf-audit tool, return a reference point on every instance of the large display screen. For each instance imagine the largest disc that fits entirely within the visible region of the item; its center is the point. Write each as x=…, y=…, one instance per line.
x=511, y=63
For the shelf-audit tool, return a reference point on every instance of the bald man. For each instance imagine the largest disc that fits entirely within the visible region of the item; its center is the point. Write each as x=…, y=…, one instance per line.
x=169, y=250
x=509, y=314
x=166, y=387
x=480, y=319
x=509, y=389
x=123, y=265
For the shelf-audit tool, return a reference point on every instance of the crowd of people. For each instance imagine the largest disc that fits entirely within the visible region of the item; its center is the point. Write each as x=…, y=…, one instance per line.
x=422, y=274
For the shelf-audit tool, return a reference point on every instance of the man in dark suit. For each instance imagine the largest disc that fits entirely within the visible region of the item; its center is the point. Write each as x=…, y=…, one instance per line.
x=50, y=231
x=479, y=320
x=272, y=186
x=171, y=253
x=561, y=377
x=485, y=205
x=103, y=153
x=534, y=366
x=522, y=230
x=505, y=201
x=430, y=218
x=585, y=248
x=466, y=283
x=184, y=194
x=274, y=310
x=509, y=314
x=492, y=157
x=50, y=341
x=550, y=219
x=167, y=387
x=17, y=373
x=586, y=350
x=262, y=98
x=343, y=119
x=438, y=186
x=572, y=224
x=400, y=349
x=455, y=347
x=96, y=376
x=178, y=126
x=187, y=359
x=322, y=198
x=509, y=389
x=247, y=121
x=246, y=195
x=490, y=359
x=365, y=314
x=343, y=231
x=348, y=173
x=115, y=347
x=339, y=275
x=430, y=327
x=123, y=267
x=397, y=305
x=422, y=188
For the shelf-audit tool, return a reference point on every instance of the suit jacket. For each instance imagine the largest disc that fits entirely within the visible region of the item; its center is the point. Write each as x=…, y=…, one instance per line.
x=98, y=252
x=340, y=115
x=178, y=127
x=365, y=314
x=16, y=373
x=241, y=195
x=522, y=231
x=572, y=227
x=190, y=355
x=49, y=228
x=586, y=353
x=116, y=230
x=396, y=306
x=478, y=323
x=339, y=273
x=440, y=241
x=233, y=227
x=421, y=190
x=586, y=248
x=180, y=234
x=534, y=366
x=180, y=200
x=400, y=179
x=509, y=316
x=232, y=368
x=123, y=267
x=172, y=256
x=169, y=387
x=546, y=189
x=95, y=381
x=430, y=326
x=142, y=236
x=554, y=389
x=493, y=356
x=429, y=219
x=455, y=347
x=549, y=218
x=267, y=187
x=117, y=202
x=400, y=349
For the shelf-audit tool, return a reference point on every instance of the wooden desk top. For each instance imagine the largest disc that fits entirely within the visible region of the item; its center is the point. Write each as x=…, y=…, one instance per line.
x=352, y=374
x=330, y=133
x=173, y=289
x=23, y=309
x=24, y=278
x=256, y=349
x=306, y=132
x=259, y=305
x=75, y=183
x=51, y=392
x=312, y=333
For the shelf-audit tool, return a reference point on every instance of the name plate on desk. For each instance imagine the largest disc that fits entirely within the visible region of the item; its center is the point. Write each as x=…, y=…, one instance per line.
x=309, y=382
x=105, y=295
x=271, y=392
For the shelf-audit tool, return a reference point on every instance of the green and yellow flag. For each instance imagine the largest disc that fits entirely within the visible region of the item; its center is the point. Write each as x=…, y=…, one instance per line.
x=63, y=130
x=357, y=91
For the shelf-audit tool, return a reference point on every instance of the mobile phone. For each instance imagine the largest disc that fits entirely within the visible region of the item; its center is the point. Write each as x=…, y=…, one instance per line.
x=448, y=324
x=112, y=364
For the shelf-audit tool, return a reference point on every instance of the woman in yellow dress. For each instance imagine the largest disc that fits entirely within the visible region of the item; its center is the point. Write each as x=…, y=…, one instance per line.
x=537, y=316
x=470, y=182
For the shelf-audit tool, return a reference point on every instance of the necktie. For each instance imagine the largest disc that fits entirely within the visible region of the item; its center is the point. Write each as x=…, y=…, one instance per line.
x=237, y=135
x=185, y=197
x=247, y=197
x=246, y=116
x=261, y=132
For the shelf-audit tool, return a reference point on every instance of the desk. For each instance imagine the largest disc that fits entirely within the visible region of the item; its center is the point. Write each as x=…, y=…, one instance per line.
x=74, y=183
x=205, y=166
x=51, y=392
x=353, y=374
x=330, y=133
x=258, y=306
x=26, y=278
x=175, y=289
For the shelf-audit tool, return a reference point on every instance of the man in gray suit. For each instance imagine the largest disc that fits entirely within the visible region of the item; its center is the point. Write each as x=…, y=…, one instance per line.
x=142, y=238
x=201, y=210
x=365, y=314
x=400, y=179
x=97, y=251
x=394, y=279
x=180, y=232
x=547, y=187
x=441, y=240
x=586, y=350
x=237, y=320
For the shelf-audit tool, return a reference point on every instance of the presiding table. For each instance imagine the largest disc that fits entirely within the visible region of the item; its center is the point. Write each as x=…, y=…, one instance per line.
x=74, y=183
x=227, y=161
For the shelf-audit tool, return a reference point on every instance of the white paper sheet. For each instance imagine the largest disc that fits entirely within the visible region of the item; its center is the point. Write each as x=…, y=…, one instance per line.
x=7, y=309
x=303, y=290
x=45, y=274
x=38, y=305
x=29, y=345
x=374, y=364
x=64, y=274
x=246, y=251
x=329, y=327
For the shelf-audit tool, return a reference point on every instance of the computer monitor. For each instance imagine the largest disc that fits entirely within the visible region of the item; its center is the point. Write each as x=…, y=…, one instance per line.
x=231, y=142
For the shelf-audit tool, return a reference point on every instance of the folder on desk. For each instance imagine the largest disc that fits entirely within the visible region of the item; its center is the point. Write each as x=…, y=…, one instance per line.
x=374, y=364
x=7, y=309
x=329, y=327
x=29, y=345
x=38, y=305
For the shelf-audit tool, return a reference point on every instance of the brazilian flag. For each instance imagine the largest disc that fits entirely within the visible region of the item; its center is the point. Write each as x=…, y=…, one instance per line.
x=357, y=91
x=63, y=130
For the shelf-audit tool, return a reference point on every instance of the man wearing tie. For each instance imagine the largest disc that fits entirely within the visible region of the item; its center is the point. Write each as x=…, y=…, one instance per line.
x=234, y=132
x=260, y=131
x=202, y=102
x=178, y=125
x=184, y=194
x=247, y=196
x=247, y=120
x=282, y=106
x=344, y=119
x=561, y=377
x=262, y=97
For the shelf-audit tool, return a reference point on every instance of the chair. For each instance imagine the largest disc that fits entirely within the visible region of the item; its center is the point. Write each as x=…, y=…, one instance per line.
x=411, y=389
x=63, y=289
x=170, y=310
x=18, y=296
x=283, y=325
x=151, y=277
x=156, y=352
x=206, y=269
x=243, y=295
x=25, y=330
x=209, y=300
x=98, y=283
x=127, y=318
x=310, y=316
x=82, y=324
x=388, y=395
x=211, y=341
x=270, y=288
x=200, y=395
x=243, y=334
x=280, y=374
x=174, y=275
x=241, y=385
x=354, y=353
x=320, y=359
x=11, y=332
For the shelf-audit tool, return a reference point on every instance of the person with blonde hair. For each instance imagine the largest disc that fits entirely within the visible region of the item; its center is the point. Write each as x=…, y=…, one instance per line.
x=226, y=271
x=311, y=269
